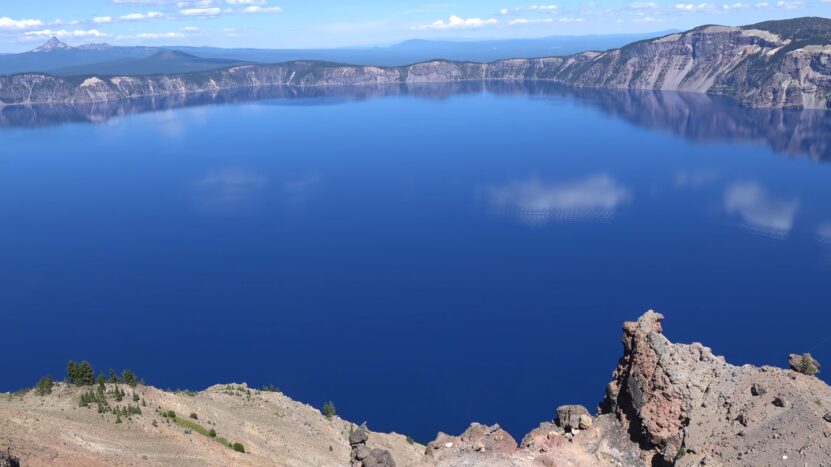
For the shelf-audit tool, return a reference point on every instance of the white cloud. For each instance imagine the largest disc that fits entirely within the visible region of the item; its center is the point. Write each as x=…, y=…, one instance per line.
x=694, y=8
x=262, y=9
x=132, y=17
x=245, y=2
x=760, y=211
x=62, y=33
x=642, y=6
x=201, y=11
x=456, y=22
x=162, y=35
x=735, y=6
x=7, y=23
x=788, y=5
x=102, y=19
x=535, y=202
x=529, y=9
x=522, y=21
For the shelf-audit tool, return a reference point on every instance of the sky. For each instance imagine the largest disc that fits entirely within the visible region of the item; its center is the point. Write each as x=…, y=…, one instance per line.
x=341, y=23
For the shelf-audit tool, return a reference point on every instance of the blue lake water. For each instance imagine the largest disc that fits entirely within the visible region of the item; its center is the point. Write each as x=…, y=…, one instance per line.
x=423, y=259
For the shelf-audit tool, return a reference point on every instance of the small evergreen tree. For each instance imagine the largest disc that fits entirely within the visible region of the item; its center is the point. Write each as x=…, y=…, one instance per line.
x=84, y=374
x=129, y=378
x=329, y=409
x=113, y=376
x=239, y=447
x=71, y=371
x=44, y=386
x=212, y=433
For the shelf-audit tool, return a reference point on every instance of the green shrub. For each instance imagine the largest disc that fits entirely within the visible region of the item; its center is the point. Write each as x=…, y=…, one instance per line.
x=44, y=386
x=212, y=433
x=329, y=410
x=239, y=447
x=194, y=416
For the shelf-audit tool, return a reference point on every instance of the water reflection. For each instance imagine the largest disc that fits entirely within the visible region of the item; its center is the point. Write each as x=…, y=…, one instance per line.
x=534, y=202
x=227, y=190
x=695, y=178
x=758, y=210
x=696, y=117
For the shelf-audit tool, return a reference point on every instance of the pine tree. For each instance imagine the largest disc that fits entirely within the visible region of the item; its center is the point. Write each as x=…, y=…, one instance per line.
x=329, y=409
x=71, y=372
x=82, y=374
x=129, y=378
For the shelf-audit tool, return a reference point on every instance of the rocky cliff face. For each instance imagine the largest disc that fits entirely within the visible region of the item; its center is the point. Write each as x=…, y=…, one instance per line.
x=667, y=404
x=775, y=64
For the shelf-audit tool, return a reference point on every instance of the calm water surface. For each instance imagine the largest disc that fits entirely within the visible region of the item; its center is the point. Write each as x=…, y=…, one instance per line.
x=422, y=260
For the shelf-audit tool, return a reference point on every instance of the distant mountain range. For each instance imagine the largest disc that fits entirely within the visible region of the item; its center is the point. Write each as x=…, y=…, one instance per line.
x=58, y=58
x=781, y=64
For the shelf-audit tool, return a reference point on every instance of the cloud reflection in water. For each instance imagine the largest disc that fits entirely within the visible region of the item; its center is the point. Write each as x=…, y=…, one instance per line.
x=759, y=211
x=227, y=190
x=534, y=202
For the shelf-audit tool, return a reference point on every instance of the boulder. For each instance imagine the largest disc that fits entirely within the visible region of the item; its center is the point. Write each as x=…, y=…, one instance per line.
x=573, y=417
x=805, y=364
x=827, y=417
x=758, y=389
x=781, y=401
x=359, y=436
x=361, y=452
x=379, y=458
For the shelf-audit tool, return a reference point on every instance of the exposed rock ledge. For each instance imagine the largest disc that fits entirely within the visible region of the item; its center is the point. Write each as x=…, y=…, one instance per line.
x=667, y=404
x=776, y=64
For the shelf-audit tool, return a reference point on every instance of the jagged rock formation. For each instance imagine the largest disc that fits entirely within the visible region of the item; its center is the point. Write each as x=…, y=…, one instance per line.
x=667, y=404
x=671, y=404
x=773, y=64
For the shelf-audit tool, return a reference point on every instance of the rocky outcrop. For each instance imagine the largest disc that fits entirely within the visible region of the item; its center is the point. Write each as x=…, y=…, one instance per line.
x=776, y=64
x=670, y=404
x=805, y=364
x=573, y=417
x=8, y=460
x=686, y=406
x=667, y=404
x=364, y=456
